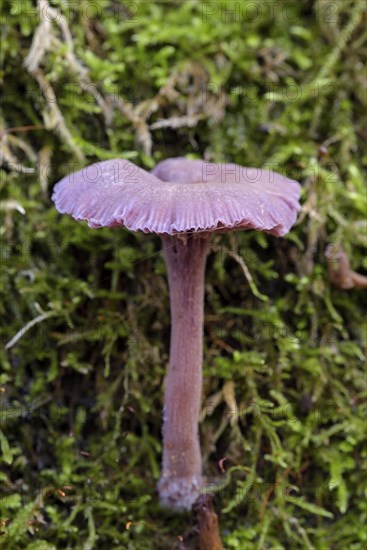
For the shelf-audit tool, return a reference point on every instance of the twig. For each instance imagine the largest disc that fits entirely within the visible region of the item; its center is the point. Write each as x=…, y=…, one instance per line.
x=341, y=274
x=271, y=491
x=20, y=129
x=27, y=326
x=207, y=519
x=56, y=120
x=246, y=272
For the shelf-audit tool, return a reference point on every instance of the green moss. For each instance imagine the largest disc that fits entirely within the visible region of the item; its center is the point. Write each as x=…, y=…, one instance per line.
x=82, y=387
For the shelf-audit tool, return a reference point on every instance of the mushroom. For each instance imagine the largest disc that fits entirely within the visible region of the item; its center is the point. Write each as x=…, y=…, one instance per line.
x=184, y=201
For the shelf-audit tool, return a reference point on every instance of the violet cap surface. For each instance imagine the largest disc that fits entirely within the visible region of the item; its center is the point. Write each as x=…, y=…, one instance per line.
x=179, y=196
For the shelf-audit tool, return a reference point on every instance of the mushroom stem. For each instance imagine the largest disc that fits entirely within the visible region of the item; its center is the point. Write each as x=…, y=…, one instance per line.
x=181, y=478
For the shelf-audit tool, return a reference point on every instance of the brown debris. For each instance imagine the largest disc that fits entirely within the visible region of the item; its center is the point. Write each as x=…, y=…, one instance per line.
x=341, y=274
x=207, y=520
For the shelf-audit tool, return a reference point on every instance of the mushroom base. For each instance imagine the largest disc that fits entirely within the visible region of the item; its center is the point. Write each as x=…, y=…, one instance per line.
x=180, y=493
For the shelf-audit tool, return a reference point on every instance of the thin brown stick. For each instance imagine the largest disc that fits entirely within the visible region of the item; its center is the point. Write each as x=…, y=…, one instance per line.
x=207, y=520
x=341, y=274
x=271, y=491
x=20, y=129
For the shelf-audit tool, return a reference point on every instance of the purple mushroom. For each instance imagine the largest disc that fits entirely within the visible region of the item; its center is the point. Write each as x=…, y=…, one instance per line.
x=184, y=201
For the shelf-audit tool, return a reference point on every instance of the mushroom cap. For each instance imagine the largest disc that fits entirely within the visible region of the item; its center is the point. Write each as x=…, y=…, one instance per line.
x=179, y=196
